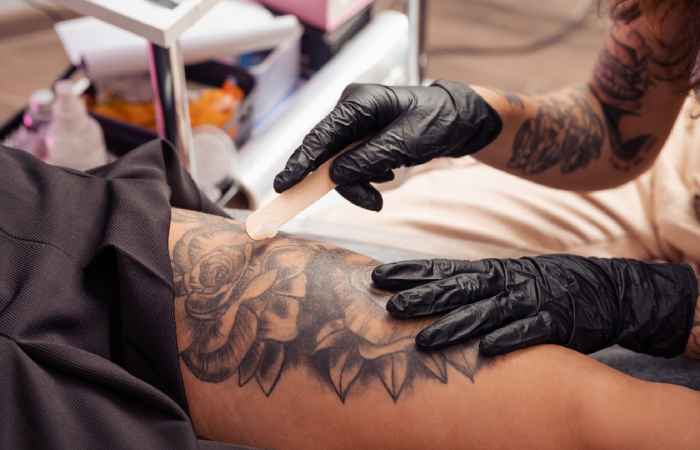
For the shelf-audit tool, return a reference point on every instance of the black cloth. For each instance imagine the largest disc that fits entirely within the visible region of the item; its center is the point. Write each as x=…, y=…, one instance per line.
x=88, y=353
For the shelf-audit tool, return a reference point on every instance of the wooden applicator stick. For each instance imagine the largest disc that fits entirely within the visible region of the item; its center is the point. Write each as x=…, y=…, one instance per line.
x=266, y=221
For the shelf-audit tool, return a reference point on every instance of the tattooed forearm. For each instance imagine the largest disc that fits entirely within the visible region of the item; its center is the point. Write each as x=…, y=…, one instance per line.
x=628, y=108
x=254, y=310
x=566, y=132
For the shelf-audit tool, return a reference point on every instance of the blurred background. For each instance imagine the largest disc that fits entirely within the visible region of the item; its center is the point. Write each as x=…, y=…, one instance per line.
x=31, y=54
x=260, y=73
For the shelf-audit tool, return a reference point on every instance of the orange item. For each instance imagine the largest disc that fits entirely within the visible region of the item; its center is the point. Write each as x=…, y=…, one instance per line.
x=217, y=107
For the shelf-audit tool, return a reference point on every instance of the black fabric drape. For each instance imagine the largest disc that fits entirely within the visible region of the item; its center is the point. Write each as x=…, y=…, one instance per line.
x=88, y=354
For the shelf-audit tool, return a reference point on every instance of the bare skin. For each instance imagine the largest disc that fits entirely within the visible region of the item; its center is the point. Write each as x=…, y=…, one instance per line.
x=608, y=132
x=285, y=344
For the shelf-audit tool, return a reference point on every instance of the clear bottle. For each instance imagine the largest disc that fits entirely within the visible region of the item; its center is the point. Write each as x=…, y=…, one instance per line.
x=38, y=118
x=35, y=123
x=74, y=139
x=215, y=162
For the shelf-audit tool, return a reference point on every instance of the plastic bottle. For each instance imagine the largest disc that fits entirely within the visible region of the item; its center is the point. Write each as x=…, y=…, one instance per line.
x=215, y=160
x=35, y=122
x=74, y=139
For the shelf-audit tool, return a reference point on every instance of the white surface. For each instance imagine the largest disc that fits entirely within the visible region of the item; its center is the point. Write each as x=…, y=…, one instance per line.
x=378, y=54
x=147, y=19
x=229, y=28
x=276, y=77
x=324, y=14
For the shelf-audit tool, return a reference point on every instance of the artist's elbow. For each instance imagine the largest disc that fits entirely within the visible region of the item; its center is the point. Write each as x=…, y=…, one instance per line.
x=626, y=172
x=614, y=179
x=600, y=180
x=622, y=178
x=618, y=171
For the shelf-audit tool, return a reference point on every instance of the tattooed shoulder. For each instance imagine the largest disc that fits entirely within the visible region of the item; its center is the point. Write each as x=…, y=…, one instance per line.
x=252, y=311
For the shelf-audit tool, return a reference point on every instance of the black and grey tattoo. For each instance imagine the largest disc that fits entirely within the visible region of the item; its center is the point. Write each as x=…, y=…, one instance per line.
x=634, y=60
x=625, y=11
x=628, y=67
x=566, y=132
x=253, y=310
x=621, y=79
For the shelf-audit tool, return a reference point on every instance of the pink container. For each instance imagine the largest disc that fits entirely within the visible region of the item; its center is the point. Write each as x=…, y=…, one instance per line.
x=324, y=14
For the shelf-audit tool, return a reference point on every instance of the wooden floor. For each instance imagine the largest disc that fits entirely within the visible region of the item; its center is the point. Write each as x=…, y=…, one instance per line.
x=31, y=60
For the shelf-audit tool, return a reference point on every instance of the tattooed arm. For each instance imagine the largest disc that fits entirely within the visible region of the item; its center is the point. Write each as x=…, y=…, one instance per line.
x=607, y=133
x=285, y=344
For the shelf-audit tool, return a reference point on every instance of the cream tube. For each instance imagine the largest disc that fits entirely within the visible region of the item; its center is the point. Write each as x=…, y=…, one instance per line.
x=266, y=221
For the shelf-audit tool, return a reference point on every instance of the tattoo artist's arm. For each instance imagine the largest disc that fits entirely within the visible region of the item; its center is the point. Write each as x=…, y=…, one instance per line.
x=609, y=132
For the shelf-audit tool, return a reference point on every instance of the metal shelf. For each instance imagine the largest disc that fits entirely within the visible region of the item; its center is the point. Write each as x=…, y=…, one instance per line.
x=378, y=54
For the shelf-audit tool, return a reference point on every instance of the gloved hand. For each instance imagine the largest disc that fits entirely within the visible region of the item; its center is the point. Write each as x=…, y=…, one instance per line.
x=585, y=304
x=407, y=126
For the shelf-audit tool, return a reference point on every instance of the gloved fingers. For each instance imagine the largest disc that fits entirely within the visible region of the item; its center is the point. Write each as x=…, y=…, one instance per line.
x=521, y=334
x=384, y=152
x=443, y=295
x=346, y=124
x=363, y=195
x=384, y=177
x=472, y=321
x=407, y=274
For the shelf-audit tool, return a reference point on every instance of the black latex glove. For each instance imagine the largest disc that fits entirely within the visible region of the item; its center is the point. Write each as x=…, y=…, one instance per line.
x=407, y=126
x=585, y=304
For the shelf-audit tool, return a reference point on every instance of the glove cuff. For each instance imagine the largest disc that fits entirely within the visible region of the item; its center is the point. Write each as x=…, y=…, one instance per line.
x=669, y=313
x=692, y=296
x=479, y=123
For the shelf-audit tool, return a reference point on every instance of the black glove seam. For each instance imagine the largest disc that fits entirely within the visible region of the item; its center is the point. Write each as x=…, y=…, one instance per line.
x=692, y=304
x=617, y=288
x=572, y=336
